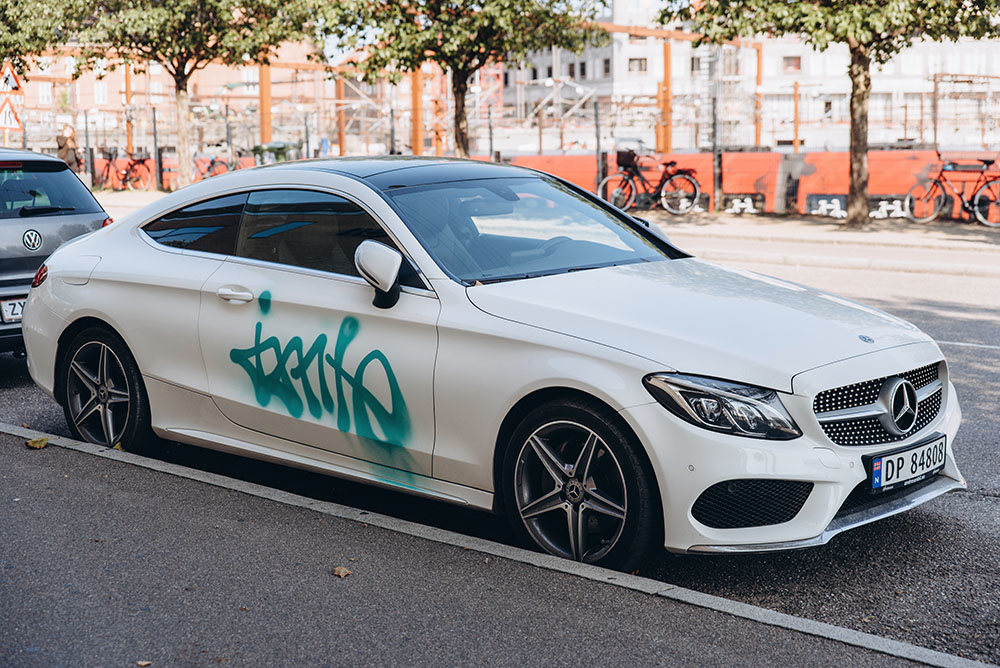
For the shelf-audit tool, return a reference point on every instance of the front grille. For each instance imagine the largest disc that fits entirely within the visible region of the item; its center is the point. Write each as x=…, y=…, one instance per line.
x=869, y=431
x=737, y=504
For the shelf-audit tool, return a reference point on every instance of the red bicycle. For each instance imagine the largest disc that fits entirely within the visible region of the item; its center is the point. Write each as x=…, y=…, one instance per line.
x=928, y=197
x=678, y=190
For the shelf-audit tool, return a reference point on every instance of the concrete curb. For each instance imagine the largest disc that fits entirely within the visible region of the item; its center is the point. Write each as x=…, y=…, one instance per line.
x=853, y=263
x=753, y=613
x=810, y=238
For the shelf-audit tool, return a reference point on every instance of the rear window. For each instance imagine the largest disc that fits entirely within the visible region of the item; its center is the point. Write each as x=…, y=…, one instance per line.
x=42, y=188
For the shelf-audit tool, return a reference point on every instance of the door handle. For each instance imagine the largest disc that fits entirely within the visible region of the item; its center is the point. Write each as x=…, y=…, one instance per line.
x=235, y=295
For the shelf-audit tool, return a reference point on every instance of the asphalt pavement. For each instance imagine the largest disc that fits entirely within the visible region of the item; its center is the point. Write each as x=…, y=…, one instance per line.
x=105, y=563
x=928, y=577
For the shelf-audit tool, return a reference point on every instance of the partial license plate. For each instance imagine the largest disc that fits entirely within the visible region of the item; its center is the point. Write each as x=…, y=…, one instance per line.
x=12, y=309
x=905, y=467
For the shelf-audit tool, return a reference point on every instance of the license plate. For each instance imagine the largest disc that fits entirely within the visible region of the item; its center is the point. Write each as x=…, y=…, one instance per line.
x=905, y=467
x=11, y=309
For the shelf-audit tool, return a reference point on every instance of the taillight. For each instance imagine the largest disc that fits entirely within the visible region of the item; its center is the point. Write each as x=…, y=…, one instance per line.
x=107, y=221
x=40, y=276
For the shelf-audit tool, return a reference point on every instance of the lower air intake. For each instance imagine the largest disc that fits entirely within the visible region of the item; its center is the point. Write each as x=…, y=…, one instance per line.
x=738, y=504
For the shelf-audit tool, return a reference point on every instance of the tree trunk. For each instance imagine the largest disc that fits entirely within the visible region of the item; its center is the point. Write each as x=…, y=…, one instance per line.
x=185, y=159
x=459, y=87
x=861, y=87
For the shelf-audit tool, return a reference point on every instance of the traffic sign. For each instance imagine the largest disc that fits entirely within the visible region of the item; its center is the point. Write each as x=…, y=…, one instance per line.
x=8, y=117
x=9, y=83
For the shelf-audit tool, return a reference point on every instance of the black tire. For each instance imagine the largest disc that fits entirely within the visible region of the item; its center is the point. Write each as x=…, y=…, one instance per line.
x=220, y=167
x=924, y=201
x=618, y=189
x=616, y=481
x=680, y=194
x=986, y=204
x=137, y=177
x=104, y=398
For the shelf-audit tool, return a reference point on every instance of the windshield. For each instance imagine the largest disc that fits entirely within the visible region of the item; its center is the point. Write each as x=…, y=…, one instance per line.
x=42, y=188
x=504, y=229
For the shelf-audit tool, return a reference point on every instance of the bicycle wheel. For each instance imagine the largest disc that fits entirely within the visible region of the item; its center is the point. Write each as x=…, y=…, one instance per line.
x=680, y=194
x=137, y=176
x=924, y=201
x=220, y=167
x=986, y=204
x=618, y=189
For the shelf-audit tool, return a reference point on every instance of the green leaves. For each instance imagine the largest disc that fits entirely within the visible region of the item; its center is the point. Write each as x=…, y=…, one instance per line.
x=459, y=35
x=882, y=28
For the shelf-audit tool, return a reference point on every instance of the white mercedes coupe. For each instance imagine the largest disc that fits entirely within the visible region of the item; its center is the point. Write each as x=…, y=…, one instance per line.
x=494, y=337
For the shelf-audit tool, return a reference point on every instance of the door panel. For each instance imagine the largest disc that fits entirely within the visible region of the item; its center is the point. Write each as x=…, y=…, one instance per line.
x=303, y=355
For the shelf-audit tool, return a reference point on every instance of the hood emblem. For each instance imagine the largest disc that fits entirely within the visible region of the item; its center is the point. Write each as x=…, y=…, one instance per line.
x=32, y=240
x=866, y=339
x=899, y=398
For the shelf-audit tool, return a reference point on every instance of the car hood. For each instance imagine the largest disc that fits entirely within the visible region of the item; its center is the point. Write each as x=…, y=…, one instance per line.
x=696, y=317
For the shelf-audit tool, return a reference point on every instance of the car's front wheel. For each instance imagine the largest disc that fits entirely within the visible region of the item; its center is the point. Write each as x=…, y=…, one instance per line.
x=577, y=486
x=103, y=395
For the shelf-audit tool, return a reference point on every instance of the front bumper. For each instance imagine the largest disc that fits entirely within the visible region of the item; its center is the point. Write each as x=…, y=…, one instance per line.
x=688, y=460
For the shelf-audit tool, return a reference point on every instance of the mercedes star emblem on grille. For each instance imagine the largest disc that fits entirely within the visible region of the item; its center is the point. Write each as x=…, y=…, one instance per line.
x=899, y=397
x=32, y=240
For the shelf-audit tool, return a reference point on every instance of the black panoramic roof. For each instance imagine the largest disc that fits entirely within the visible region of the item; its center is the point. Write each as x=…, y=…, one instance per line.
x=401, y=171
x=13, y=154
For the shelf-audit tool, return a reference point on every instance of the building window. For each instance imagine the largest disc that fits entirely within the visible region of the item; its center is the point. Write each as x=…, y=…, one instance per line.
x=572, y=70
x=791, y=64
x=548, y=71
x=45, y=92
x=251, y=80
x=730, y=63
x=69, y=62
x=155, y=92
x=695, y=65
x=155, y=68
x=583, y=70
x=100, y=92
x=637, y=65
x=506, y=79
x=534, y=74
x=607, y=67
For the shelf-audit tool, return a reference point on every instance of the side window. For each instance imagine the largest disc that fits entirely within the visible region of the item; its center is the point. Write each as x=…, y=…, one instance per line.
x=208, y=226
x=309, y=229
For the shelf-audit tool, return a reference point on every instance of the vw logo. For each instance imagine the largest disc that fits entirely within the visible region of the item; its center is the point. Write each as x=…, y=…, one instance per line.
x=866, y=339
x=899, y=398
x=32, y=240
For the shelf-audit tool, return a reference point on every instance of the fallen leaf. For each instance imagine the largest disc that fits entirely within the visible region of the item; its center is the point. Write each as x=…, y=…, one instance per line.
x=243, y=609
x=351, y=559
x=144, y=663
x=37, y=443
x=118, y=446
x=25, y=425
x=341, y=572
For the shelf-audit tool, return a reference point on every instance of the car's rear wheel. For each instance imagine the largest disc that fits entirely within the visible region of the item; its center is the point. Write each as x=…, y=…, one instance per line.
x=577, y=486
x=104, y=398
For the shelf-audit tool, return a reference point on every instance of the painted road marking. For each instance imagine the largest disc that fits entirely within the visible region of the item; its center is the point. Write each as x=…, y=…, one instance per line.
x=969, y=345
x=753, y=613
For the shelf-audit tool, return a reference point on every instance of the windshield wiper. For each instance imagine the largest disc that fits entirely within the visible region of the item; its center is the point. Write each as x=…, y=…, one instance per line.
x=42, y=210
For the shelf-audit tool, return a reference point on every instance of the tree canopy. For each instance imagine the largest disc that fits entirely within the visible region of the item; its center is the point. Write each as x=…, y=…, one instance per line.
x=873, y=30
x=30, y=27
x=185, y=36
x=461, y=36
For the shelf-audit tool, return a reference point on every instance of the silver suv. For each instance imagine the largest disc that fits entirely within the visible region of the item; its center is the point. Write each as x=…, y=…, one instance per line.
x=42, y=205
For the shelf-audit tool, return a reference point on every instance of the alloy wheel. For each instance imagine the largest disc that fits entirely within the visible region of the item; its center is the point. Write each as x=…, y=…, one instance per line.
x=570, y=491
x=97, y=393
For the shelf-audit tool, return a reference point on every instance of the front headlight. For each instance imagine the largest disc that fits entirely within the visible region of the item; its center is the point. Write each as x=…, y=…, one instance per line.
x=721, y=405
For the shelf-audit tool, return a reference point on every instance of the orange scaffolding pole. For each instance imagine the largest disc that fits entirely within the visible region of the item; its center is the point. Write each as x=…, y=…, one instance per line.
x=417, y=111
x=264, y=85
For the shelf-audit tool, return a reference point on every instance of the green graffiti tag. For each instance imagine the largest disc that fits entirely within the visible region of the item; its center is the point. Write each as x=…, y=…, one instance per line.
x=293, y=362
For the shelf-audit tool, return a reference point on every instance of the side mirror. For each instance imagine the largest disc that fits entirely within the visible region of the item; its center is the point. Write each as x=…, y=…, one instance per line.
x=379, y=265
x=655, y=229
